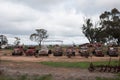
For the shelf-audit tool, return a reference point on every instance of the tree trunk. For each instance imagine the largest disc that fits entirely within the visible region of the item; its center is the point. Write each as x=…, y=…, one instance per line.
x=118, y=42
x=40, y=44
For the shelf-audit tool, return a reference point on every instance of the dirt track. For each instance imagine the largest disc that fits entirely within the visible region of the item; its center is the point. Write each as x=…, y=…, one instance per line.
x=56, y=59
x=17, y=65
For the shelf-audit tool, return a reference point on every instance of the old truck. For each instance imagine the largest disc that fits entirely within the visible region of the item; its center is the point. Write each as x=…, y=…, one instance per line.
x=18, y=51
x=84, y=51
x=112, y=51
x=98, y=51
x=58, y=51
x=70, y=51
x=31, y=51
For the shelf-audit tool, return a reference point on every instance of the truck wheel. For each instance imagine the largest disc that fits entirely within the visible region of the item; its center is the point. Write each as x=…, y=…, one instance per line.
x=13, y=54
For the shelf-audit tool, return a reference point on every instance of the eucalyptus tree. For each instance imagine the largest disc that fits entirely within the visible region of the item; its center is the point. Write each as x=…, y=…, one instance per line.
x=88, y=30
x=110, y=21
x=39, y=36
x=93, y=32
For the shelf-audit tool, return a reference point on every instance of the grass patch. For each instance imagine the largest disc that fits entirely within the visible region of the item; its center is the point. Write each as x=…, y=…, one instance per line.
x=67, y=64
x=26, y=77
x=45, y=77
x=98, y=78
x=82, y=65
x=113, y=63
x=6, y=78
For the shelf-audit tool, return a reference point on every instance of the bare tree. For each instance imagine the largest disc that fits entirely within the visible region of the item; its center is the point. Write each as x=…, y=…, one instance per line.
x=39, y=36
x=3, y=40
x=17, y=41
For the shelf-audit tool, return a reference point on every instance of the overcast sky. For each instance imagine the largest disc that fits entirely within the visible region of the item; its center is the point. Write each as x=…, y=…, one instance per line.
x=62, y=19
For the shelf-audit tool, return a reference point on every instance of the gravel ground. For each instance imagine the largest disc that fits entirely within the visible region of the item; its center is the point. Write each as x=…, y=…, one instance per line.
x=32, y=68
x=19, y=65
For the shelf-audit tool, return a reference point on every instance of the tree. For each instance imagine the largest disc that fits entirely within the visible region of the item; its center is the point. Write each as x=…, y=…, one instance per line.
x=17, y=41
x=39, y=36
x=93, y=32
x=3, y=40
x=88, y=30
x=110, y=22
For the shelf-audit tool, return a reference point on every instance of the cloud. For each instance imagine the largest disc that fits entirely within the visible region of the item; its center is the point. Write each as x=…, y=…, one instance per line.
x=62, y=19
x=24, y=39
x=42, y=5
x=15, y=18
x=108, y=3
x=95, y=6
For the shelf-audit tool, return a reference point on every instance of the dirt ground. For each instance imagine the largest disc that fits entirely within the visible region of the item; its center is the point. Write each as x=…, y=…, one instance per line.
x=17, y=65
x=55, y=59
x=17, y=68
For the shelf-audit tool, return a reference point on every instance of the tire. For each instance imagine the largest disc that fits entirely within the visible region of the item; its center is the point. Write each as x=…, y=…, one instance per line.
x=21, y=53
x=73, y=53
x=57, y=54
x=50, y=52
x=13, y=54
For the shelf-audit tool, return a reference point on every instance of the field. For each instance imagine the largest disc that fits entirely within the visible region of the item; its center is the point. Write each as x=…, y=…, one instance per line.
x=52, y=68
